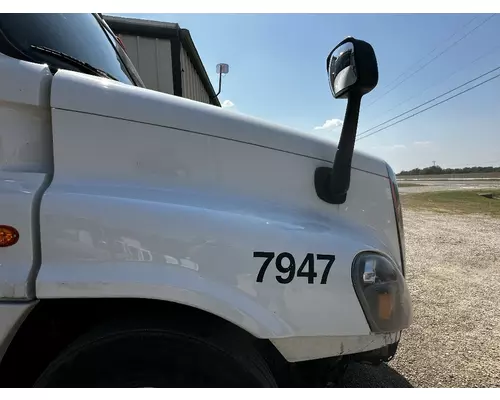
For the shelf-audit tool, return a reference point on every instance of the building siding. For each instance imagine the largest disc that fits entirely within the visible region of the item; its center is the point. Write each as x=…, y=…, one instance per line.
x=153, y=60
x=192, y=86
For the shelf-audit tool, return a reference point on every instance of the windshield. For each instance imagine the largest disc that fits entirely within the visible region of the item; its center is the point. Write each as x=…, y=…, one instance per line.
x=80, y=36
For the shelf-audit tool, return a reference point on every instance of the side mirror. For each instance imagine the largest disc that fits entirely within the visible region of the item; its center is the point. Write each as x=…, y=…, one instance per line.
x=352, y=68
x=352, y=73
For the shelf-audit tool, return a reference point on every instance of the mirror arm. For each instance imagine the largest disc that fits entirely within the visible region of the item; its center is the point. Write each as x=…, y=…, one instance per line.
x=333, y=183
x=220, y=87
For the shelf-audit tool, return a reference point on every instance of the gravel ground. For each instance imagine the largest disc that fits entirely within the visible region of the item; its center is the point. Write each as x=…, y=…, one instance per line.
x=454, y=278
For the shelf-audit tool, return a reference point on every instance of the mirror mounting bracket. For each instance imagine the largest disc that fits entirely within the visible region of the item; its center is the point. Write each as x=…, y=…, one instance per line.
x=332, y=183
x=322, y=179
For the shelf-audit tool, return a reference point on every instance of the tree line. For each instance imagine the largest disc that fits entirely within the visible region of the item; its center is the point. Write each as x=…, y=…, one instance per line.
x=437, y=170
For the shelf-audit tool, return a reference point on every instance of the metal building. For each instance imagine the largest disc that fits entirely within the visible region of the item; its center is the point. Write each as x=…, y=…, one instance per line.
x=165, y=57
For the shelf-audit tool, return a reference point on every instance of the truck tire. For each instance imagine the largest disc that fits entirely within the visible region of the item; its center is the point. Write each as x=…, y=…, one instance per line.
x=156, y=356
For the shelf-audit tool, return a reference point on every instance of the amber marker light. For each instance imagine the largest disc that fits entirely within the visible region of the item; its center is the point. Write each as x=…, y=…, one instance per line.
x=385, y=306
x=8, y=236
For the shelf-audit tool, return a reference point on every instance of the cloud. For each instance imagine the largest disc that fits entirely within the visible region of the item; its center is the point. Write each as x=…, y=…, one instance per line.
x=227, y=104
x=330, y=124
x=422, y=143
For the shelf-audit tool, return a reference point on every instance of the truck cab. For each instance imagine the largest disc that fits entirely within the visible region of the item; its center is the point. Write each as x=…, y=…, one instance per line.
x=148, y=240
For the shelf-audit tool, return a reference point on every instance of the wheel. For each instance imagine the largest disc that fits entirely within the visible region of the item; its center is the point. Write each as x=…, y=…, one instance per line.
x=151, y=355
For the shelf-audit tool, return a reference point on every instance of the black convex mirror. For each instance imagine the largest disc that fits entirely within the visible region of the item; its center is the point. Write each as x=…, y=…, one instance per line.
x=352, y=68
x=352, y=73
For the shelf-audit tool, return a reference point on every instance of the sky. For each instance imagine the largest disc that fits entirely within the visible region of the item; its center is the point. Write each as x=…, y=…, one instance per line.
x=277, y=71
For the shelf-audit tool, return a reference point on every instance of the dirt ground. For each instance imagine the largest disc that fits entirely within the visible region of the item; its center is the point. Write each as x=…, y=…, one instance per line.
x=453, y=272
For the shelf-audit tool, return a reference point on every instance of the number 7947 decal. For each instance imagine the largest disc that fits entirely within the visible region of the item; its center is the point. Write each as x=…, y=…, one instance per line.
x=286, y=266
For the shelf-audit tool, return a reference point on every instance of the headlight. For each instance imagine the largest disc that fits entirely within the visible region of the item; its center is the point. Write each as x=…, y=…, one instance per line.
x=382, y=292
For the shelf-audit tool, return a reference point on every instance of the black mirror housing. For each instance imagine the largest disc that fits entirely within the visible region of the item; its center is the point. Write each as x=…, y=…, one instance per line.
x=352, y=68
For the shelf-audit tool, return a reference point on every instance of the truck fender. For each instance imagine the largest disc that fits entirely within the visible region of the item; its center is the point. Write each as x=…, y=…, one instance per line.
x=198, y=250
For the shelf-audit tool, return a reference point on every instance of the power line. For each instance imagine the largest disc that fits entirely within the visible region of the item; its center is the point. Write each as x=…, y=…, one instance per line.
x=434, y=105
x=427, y=54
x=491, y=51
x=429, y=101
x=434, y=58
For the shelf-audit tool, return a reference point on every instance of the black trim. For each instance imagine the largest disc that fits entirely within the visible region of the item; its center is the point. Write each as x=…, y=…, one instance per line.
x=180, y=39
x=398, y=216
x=175, y=50
x=142, y=27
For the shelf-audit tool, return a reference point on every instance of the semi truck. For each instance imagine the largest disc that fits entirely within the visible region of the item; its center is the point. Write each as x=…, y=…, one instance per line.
x=149, y=240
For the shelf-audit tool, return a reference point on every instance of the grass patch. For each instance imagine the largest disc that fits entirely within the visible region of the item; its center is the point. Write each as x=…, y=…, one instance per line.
x=408, y=184
x=455, y=202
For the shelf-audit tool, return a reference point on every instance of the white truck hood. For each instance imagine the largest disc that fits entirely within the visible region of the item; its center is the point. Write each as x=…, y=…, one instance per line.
x=100, y=96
